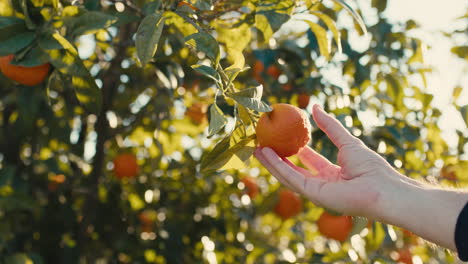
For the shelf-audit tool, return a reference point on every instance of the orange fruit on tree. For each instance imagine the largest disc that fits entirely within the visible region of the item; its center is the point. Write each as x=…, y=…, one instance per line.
x=29, y=76
x=273, y=71
x=303, y=100
x=404, y=256
x=197, y=113
x=125, y=166
x=289, y=204
x=286, y=129
x=251, y=187
x=287, y=87
x=55, y=181
x=336, y=227
x=258, y=68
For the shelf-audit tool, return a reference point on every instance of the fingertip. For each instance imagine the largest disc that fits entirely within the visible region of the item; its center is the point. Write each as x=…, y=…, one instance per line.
x=268, y=152
x=317, y=107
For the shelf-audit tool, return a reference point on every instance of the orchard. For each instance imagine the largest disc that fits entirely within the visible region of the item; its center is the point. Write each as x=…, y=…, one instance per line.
x=127, y=128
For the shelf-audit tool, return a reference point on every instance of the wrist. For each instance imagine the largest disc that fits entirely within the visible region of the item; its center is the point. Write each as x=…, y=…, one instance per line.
x=429, y=212
x=395, y=192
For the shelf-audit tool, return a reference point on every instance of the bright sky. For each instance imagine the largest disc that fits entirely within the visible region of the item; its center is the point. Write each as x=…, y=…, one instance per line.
x=435, y=16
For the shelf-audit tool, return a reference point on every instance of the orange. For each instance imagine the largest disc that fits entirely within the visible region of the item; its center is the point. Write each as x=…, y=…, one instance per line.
x=287, y=87
x=303, y=100
x=55, y=181
x=251, y=186
x=286, y=129
x=258, y=68
x=125, y=166
x=289, y=204
x=404, y=256
x=273, y=71
x=335, y=227
x=197, y=113
x=29, y=76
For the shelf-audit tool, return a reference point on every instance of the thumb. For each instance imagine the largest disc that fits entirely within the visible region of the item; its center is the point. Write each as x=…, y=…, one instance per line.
x=337, y=133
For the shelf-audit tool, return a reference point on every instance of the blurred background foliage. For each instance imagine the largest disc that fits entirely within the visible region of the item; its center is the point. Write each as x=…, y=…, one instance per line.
x=123, y=81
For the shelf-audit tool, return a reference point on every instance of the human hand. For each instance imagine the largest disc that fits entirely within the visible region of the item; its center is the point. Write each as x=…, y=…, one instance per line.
x=353, y=187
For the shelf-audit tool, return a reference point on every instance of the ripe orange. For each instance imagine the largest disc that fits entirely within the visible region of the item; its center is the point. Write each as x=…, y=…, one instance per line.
x=55, y=181
x=251, y=186
x=404, y=256
x=125, y=166
x=303, y=100
x=258, y=68
x=286, y=129
x=287, y=87
x=289, y=204
x=273, y=71
x=197, y=113
x=335, y=227
x=29, y=76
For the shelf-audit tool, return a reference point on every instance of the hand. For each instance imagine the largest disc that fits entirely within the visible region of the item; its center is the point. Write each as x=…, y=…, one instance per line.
x=365, y=184
x=353, y=187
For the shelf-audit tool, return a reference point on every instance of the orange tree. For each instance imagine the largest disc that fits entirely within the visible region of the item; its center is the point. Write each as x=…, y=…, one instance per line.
x=123, y=75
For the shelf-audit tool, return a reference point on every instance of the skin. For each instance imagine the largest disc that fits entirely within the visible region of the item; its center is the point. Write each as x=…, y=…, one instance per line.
x=364, y=184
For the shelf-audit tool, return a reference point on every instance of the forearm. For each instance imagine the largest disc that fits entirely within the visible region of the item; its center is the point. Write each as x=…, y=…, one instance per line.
x=429, y=212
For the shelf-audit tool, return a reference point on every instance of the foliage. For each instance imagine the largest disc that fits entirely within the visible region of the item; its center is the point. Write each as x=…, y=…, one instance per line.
x=124, y=73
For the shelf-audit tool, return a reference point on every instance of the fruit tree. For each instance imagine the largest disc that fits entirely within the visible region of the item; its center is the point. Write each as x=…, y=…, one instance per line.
x=127, y=128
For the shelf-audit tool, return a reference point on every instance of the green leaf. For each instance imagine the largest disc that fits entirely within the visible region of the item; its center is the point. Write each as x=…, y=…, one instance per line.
x=268, y=22
x=322, y=38
x=232, y=73
x=332, y=26
x=376, y=236
x=243, y=115
x=34, y=57
x=147, y=37
x=356, y=16
x=151, y=7
x=16, y=43
x=235, y=39
x=271, y=15
x=67, y=61
x=208, y=72
x=206, y=43
x=251, y=98
x=90, y=22
x=217, y=157
x=10, y=27
x=217, y=120
x=464, y=113
x=228, y=154
x=29, y=23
